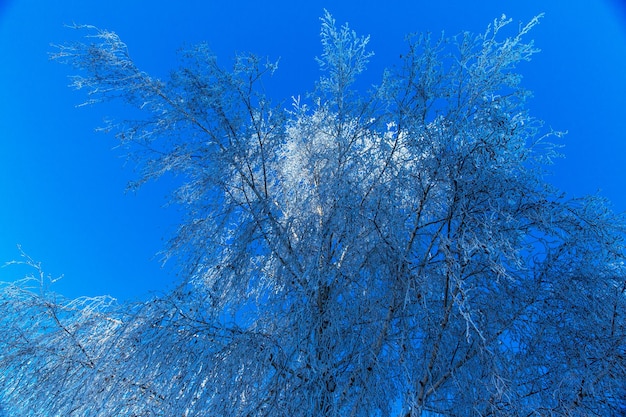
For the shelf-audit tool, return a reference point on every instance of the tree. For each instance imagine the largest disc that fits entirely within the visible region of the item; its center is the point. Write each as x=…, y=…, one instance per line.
x=395, y=252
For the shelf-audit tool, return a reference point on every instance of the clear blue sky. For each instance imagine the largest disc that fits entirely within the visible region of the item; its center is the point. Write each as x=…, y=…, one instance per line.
x=62, y=185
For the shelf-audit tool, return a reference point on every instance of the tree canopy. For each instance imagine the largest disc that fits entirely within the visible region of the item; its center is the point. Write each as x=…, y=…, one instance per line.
x=384, y=251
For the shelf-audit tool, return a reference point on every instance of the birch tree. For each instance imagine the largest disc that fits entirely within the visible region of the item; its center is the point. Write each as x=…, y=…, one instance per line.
x=389, y=252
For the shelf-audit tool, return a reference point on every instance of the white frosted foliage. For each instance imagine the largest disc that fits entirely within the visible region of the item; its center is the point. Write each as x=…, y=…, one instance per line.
x=395, y=252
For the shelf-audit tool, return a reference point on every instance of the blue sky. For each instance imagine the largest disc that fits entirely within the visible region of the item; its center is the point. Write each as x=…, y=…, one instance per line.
x=62, y=185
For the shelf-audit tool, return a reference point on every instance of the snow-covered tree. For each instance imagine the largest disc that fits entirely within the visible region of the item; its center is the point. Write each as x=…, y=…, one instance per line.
x=389, y=252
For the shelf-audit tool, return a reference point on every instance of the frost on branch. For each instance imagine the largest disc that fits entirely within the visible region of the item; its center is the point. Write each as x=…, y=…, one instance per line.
x=394, y=253
x=344, y=57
